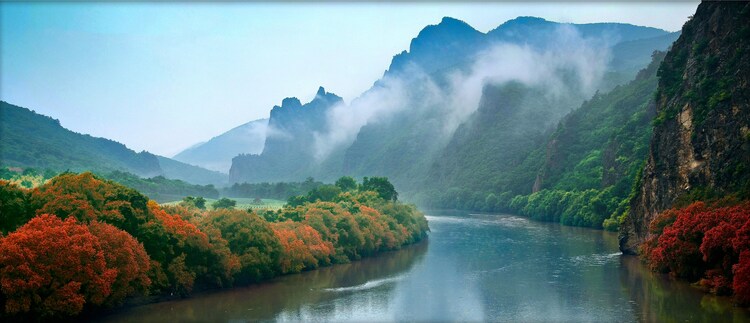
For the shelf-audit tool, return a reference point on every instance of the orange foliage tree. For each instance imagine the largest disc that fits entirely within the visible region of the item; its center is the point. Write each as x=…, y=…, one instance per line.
x=52, y=267
x=303, y=247
x=189, y=255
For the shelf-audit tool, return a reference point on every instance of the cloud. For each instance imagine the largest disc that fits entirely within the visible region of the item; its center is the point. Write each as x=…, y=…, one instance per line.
x=455, y=94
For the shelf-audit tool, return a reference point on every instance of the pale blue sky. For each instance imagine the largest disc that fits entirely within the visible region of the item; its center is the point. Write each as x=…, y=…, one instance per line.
x=162, y=77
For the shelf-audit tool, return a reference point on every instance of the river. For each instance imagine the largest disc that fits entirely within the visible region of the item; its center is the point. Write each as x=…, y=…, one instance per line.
x=472, y=268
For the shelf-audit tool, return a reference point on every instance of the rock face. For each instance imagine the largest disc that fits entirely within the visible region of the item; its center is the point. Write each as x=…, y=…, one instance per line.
x=289, y=143
x=701, y=142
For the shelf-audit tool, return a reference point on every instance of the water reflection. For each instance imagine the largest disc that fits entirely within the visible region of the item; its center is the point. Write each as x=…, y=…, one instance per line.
x=288, y=298
x=654, y=297
x=472, y=268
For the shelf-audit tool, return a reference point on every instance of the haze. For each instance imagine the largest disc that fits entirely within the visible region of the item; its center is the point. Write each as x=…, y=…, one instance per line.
x=161, y=77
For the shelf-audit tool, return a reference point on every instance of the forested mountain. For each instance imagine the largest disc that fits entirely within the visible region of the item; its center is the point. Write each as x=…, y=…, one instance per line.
x=700, y=148
x=581, y=174
x=404, y=125
x=33, y=140
x=217, y=153
x=29, y=139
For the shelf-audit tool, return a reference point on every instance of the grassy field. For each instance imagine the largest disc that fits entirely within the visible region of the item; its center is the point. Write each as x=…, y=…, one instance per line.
x=245, y=203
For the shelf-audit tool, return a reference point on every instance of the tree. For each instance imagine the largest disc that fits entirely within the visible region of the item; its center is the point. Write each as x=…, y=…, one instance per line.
x=198, y=202
x=127, y=256
x=326, y=193
x=346, y=184
x=382, y=186
x=53, y=267
x=13, y=206
x=250, y=238
x=302, y=247
x=224, y=203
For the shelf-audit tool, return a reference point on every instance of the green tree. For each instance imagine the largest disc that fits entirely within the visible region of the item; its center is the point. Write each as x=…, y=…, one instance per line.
x=346, y=183
x=380, y=185
x=325, y=193
x=198, y=202
x=224, y=203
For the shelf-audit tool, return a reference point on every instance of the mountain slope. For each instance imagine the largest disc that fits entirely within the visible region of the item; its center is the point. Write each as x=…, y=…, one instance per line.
x=29, y=139
x=700, y=147
x=412, y=113
x=499, y=155
x=33, y=140
x=173, y=169
x=217, y=153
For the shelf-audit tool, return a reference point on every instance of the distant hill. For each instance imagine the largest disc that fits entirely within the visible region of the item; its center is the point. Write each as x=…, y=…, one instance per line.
x=173, y=169
x=33, y=140
x=29, y=139
x=217, y=153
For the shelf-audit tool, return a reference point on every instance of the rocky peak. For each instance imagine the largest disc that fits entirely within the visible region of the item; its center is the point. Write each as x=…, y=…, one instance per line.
x=291, y=103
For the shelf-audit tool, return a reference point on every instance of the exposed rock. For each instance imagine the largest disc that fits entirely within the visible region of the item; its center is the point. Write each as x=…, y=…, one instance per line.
x=699, y=148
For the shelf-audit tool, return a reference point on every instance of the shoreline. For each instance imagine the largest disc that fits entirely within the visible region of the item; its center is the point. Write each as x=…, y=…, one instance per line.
x=138, y=301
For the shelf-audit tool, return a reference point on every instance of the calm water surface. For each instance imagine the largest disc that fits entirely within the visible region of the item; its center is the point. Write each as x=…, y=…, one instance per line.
x=472, y=268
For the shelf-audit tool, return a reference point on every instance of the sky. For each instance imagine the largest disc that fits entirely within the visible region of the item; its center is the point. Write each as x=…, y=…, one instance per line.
x=162, y=77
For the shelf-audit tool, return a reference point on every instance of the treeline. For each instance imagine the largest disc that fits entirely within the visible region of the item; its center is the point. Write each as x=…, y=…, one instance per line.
x=158, y=188
x=83, y=242
x=162, y=189
x=277, y=191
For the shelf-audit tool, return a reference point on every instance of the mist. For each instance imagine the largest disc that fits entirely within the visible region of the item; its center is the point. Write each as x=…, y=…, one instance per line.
x=455, y=94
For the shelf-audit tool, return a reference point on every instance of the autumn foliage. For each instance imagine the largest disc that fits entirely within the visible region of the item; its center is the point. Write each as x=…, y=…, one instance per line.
x=52, y=266
x=80, y=242
x=709, y=244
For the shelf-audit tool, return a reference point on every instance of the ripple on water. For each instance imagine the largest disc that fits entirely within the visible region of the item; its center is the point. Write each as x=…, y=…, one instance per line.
x=368, y=285
x=595, y=259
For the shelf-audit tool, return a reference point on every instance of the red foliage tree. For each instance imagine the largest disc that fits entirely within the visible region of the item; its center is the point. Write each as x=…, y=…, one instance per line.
x=127, y=256
x=53, y=267
x=706, y=243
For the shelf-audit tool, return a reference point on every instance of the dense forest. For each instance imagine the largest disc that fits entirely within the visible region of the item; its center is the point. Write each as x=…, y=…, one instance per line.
x=82, y=242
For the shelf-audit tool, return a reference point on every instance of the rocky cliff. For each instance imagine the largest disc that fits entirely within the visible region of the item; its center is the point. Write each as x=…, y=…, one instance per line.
x=700, y=147
x=288, y=154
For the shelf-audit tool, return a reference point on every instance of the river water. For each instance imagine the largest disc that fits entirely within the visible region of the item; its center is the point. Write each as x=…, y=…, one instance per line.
x=472, y=268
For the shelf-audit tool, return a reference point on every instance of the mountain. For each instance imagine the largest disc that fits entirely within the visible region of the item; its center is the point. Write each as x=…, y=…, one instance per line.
x=454, y=88
x=539, y=32
x=33, y=140
x=700, y=148
x=29, y=139
x=289, y=152
x=217, y=153
x=436, y=47
x=413, y=145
